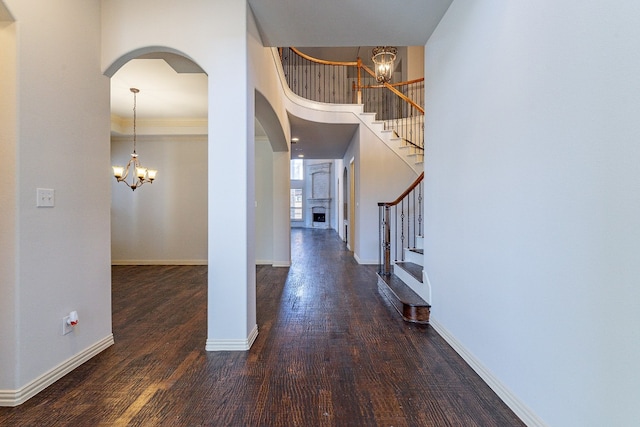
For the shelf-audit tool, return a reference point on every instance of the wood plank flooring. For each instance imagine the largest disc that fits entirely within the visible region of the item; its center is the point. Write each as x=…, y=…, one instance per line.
x=330, y=352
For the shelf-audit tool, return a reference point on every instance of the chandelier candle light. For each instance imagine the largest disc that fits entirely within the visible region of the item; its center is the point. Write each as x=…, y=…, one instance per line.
x=142, y=174
x=383, y=57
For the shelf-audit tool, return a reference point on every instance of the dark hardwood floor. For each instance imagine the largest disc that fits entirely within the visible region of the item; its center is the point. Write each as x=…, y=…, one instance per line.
x=330, y=352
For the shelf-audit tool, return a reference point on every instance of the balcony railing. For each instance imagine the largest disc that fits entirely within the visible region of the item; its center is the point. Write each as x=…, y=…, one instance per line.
x=400, y=105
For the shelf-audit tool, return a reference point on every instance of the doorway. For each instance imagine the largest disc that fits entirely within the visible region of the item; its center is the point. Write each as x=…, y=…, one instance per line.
x=352, y=206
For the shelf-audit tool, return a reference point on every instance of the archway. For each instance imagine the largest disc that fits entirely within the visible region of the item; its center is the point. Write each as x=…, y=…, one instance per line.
x=151, y=225
x=275, y=160
x=163, y=223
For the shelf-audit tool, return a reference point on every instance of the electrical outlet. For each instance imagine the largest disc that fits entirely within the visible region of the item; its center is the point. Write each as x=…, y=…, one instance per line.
x=66, y=327
x=45, y=197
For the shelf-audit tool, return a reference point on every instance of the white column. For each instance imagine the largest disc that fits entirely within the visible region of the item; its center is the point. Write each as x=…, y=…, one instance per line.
x=231, y=296
x=281, y=217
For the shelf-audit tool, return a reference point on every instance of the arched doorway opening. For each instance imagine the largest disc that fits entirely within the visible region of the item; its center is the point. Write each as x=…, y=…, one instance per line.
x=161, y=227
x=152, y=224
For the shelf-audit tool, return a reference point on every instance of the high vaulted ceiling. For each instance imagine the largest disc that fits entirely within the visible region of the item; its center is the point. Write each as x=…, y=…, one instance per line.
x=173, y=87
x=347, y=22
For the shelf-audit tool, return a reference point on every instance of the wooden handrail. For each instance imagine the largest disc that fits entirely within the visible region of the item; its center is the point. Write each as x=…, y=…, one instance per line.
x=359, y=63
x=408, y=82
x=406, y=192
x=323, y=61
x=396, y=91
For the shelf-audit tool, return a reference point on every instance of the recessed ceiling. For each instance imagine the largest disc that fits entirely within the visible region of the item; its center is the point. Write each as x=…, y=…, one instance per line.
x=347, y=22
x=164, y=92
x=320, y=140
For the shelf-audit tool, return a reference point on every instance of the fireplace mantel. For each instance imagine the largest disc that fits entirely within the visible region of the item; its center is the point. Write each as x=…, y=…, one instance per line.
x=320, y=201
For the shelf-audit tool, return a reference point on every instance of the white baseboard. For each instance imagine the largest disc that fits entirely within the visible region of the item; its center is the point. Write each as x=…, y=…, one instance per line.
x=274, y=263
x=233, y=345
x=425, y=280
x=364, y=261
x=18, y=397
x=516, y=405
x=159, y=262
x=281, y=264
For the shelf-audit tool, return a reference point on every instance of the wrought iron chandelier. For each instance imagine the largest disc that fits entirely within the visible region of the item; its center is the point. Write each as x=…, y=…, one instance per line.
x=383, y=57
x=139, y=174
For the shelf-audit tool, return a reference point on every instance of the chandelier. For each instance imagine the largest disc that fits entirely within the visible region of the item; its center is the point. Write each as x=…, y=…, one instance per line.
x=383, y=58
x=139, y=174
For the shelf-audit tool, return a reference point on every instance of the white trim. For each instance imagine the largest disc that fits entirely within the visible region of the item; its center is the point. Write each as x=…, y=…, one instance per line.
x=18, y=397
x=233, y=345
x=159, y=262
x=281, y=264
x=274, y=263
x=503, y=392
x=425, y=280
x=364, y=261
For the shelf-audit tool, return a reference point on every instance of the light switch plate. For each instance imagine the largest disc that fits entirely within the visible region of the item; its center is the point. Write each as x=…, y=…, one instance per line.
x=45, y=198
x=66, y=327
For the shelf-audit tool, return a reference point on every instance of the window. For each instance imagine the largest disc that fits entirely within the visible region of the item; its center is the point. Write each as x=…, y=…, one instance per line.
x=297, y=169
x=296, y=204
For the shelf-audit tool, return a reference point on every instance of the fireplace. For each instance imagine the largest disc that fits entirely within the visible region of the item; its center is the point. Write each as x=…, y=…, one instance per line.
x=320, y=201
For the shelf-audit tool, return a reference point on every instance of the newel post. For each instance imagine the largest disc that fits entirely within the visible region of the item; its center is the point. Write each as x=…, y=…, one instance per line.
x=386, y=241
x=359, y=81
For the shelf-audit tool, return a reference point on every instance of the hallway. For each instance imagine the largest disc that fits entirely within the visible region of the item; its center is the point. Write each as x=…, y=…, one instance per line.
x=329, y=352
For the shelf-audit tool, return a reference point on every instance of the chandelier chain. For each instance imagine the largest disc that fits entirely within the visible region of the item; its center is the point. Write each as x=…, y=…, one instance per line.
x=135, y=92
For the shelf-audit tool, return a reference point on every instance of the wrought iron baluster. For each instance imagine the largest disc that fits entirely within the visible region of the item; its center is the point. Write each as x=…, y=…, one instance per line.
x=420, y=210
x=414, y=222
x=402, y=236
x=396, y=233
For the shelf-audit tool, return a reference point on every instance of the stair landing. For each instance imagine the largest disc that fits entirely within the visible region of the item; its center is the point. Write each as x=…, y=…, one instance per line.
x=409, y=304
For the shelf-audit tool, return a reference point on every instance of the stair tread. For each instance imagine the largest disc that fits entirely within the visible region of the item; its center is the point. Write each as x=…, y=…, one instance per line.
x=417, y=250
x=415, y=270
x=407, y=303
x=403, y=291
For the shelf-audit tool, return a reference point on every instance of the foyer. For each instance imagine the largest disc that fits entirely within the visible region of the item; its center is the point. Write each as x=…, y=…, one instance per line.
x=330, y=352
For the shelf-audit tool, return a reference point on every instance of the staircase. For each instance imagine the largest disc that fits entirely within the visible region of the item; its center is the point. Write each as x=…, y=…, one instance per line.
x=395, y=288
x=394, y=112
x=401, y=282
x=405, y=149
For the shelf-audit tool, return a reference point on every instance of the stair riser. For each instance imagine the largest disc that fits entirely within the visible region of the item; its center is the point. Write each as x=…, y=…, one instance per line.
x=414, y=314
x=413, y=257
x=417, y=287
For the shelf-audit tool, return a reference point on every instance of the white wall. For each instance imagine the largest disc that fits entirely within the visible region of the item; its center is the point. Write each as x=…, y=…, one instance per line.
x=265, y=85
x=281, y=223
x=164, y=222
x=264, y=202
x=61, y=254
x=414, y=63
x=340, y=196
x=8, y=201
x=381, y=176
x=214, y=35
x=532, y=206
